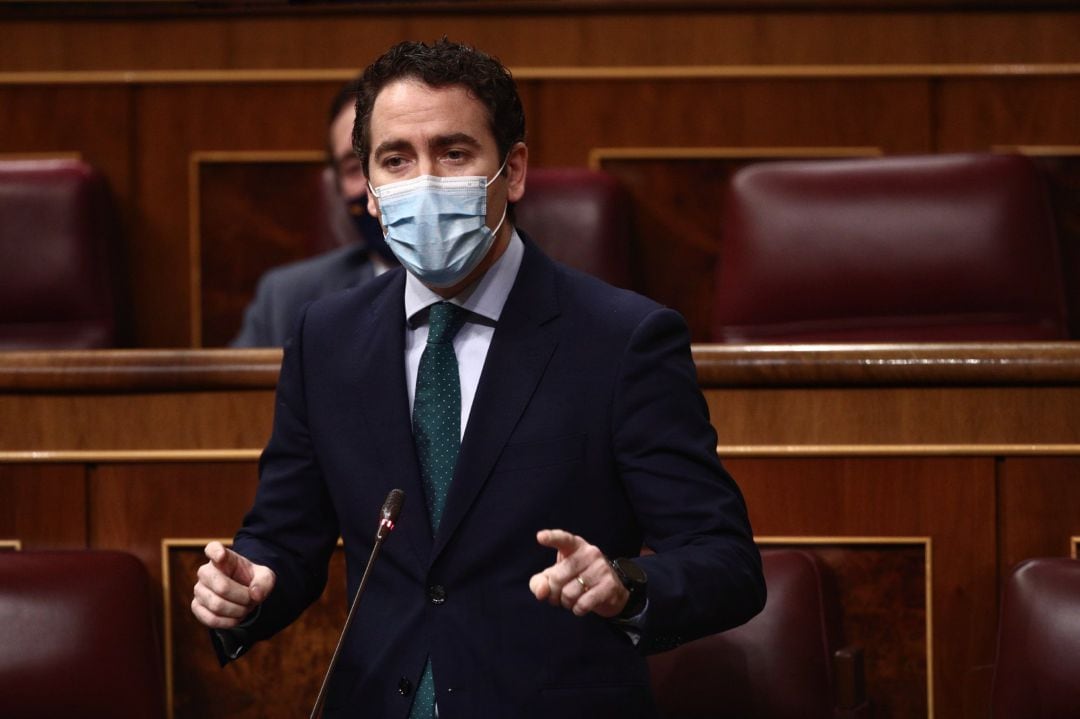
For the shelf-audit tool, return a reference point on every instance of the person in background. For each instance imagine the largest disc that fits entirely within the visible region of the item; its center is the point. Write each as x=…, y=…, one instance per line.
x=283, y=291
x=543, y=424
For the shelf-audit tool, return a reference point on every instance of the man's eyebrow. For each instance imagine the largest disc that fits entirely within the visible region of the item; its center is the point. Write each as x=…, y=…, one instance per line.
x=438, y=142
x=391, y=146
x=456, y=138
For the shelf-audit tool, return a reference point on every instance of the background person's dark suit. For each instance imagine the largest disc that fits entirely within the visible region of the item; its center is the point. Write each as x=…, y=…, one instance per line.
x=587, y=417
x=283, y=291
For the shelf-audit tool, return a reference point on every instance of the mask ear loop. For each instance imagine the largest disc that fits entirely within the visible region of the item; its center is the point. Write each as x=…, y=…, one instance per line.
x=385, y=231
x=506, y=205
x=497, y=172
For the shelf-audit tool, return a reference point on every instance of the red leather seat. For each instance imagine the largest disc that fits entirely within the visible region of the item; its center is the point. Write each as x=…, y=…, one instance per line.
x=1038, y=653
x=77, y=637
x=785, y=663
x=919, y=249
x=580, y=218
x=57, y=236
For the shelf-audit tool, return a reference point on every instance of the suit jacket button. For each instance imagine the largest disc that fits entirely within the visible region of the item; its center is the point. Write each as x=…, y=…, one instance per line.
x=404, y=687
x=436, y=593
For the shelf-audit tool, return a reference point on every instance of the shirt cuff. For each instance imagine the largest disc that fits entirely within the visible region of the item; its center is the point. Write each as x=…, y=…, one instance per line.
x=635, y=625
x=230, y=644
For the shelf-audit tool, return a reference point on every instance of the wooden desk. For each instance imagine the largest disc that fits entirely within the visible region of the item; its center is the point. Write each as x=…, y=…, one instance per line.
x=920, y=473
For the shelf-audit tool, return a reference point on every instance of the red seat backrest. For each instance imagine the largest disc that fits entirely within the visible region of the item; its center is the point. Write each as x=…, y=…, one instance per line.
x=1038, y=653
x=920, y=249
x=57, y=245
x=779, y=664
x=78, y=637
x=580, y=218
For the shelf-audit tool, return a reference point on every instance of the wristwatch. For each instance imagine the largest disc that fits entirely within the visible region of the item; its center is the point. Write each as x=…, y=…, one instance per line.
x=636, y=582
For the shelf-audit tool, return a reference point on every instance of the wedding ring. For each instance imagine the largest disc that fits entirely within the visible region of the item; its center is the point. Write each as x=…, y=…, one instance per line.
x=583, y=583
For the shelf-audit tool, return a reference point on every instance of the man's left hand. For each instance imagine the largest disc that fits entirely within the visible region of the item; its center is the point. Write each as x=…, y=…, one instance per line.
x=581, y=579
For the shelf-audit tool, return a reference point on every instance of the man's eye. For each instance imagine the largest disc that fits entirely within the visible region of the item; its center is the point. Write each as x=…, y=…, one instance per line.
x=455, y=155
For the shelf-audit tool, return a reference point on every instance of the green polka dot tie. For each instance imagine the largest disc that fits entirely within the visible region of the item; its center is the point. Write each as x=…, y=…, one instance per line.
x=437, y=434
x=437, y=407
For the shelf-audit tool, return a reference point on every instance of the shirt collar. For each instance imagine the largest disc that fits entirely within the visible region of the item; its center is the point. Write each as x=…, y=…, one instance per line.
x=485, y=297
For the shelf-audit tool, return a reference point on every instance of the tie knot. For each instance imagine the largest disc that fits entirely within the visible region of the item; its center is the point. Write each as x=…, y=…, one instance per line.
x=445, y=319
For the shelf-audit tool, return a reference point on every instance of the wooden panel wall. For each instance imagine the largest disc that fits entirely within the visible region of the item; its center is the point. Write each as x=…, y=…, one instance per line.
x=250, y=212
x=920, y=473
x=546, y=34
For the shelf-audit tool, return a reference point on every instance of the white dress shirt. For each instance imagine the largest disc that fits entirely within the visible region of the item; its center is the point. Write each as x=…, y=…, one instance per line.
x=484, y=300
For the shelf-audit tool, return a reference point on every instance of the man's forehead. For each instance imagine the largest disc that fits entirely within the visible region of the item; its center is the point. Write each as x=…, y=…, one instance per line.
x=411, y=104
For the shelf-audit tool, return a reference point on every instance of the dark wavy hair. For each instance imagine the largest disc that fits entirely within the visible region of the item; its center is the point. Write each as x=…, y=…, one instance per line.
x=442, y=64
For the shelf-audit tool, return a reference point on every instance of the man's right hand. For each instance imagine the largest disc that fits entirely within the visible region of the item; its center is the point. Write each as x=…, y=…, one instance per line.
x=229, y=587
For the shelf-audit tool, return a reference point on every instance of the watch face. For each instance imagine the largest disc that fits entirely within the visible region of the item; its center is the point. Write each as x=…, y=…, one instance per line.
x=633, y=573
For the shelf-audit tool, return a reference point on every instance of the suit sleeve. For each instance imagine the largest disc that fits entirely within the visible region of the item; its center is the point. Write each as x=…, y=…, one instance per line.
x=255, y=328
x=705, y=575
x=292, y=527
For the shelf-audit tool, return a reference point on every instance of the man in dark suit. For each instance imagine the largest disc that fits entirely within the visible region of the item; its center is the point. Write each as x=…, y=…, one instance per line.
x=283, y=291
x=544, y=426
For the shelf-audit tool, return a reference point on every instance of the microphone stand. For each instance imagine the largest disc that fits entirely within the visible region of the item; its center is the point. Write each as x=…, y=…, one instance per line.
x=390, y=510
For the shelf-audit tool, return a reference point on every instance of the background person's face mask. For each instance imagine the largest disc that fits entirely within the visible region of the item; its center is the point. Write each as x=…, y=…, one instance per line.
x=369, y=229
x=436, y=226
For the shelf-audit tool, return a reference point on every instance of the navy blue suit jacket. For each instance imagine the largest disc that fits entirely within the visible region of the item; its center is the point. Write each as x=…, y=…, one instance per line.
x=587, y=417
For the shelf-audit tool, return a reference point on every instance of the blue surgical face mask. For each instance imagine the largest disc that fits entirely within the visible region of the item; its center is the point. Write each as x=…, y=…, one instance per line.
x=437, y=226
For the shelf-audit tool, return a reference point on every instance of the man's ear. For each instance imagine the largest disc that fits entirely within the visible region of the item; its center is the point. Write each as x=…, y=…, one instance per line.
x=372, y=205
x=517, y=164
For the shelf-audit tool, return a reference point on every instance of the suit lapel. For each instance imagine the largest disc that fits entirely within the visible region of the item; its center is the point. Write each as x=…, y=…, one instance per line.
x=380, y=352
x=520, y=350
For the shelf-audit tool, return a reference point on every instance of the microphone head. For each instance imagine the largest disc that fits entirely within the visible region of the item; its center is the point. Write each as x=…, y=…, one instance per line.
x=392, y=506
x=390, y=510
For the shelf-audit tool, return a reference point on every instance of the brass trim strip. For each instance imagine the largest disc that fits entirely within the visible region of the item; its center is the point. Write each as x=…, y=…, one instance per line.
x=905, y=450
x=252, y=156
x=59, y=155
x=725, y=451
x=598, y=154
x=98, y=456
x=1039, y=150
x=11, y=544
x=735, y=72
x=1074, y=543
x=559, y=72
x=926, y=542
x=853, y=539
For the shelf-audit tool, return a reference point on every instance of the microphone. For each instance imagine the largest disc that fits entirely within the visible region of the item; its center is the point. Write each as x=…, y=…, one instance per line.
x=387, y=517
x=390, y=510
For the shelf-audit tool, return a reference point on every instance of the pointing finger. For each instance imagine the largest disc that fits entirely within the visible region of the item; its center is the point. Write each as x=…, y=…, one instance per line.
x=559, y=539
